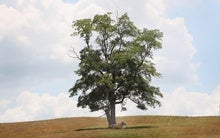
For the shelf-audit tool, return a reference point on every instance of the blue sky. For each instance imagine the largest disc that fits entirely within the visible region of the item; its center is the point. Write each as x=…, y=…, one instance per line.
x=36, y=70
x=207, y=40
x=202, y=21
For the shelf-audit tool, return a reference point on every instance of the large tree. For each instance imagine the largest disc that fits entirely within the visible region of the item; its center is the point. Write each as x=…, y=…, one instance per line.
x=115, y=64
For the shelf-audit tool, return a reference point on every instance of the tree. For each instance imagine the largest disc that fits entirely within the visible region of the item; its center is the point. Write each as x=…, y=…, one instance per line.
x=115, y=65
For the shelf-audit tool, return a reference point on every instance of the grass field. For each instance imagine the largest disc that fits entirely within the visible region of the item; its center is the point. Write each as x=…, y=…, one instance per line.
x=137, y=127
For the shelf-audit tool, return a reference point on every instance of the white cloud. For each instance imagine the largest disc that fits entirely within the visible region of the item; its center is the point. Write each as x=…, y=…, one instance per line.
x=36, y=34
x=184, y=103
x=41, y=32
x=8, y=25
x=177, y=39
x=34, y=43
x=14, y=115
x=192, y=103
x=4, y=103
x=38, y=25
x=173, y=4
x=174, y=61
x=31, y=106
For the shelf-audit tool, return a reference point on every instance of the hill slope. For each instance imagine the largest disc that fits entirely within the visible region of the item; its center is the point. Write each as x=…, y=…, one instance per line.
x=137, y=127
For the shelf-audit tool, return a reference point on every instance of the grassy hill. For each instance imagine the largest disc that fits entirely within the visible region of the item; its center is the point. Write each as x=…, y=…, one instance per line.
x=137, y=127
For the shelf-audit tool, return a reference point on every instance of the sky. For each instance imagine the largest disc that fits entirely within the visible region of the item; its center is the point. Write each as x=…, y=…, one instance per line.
x=36, y=70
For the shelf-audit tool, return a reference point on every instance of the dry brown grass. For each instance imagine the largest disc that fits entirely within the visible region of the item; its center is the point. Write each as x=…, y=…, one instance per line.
x=137, y=127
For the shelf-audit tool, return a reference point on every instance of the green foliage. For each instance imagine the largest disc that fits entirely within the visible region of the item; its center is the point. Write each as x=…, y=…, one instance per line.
x=116, y=63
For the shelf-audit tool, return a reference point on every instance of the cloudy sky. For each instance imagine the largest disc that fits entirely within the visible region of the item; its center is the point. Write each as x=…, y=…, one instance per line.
x=36, y=70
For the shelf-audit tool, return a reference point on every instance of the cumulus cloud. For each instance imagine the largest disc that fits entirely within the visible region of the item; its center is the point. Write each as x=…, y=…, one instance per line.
x=184, y=103
x=178, y=50
x=30, y=106
x=35, y=39
x=35, y=34
x=34, y=43
x=4, y=103
x=172, y=4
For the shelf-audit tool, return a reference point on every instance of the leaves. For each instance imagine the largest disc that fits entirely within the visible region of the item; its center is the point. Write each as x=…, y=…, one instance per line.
x=116, y=63
x=83, y=28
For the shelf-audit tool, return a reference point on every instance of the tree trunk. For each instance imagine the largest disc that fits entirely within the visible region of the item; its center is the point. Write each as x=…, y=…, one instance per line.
x=110, y=114
x=113, y=120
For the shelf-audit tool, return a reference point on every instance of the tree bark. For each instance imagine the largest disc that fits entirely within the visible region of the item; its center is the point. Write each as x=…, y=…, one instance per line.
x=110, y=114
x=107, y=113
x=113, y=120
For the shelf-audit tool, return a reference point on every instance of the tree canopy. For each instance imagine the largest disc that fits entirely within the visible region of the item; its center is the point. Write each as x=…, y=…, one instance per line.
x=115, y=64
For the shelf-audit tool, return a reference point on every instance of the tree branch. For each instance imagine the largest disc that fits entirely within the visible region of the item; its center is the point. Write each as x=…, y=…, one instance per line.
x=74, y=53
x=133, y=100
x=122, y=100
